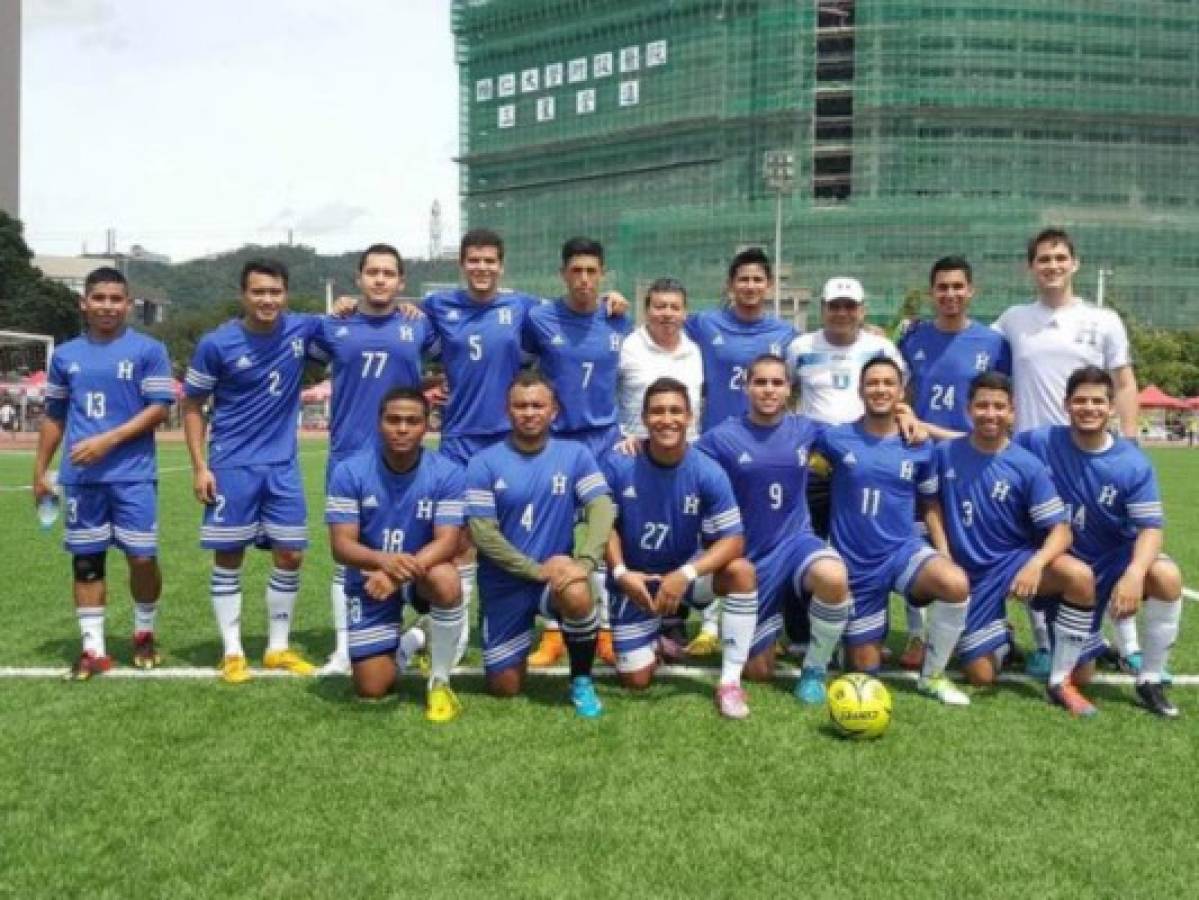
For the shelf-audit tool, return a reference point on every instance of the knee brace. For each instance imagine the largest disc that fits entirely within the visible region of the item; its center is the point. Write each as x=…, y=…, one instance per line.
x=89, y=567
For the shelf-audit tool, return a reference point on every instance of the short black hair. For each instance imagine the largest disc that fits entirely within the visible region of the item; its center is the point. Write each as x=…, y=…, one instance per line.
x=104, y=275
x=762, y=359
x=990, y=381
x=262, y=266
x=582, y=246
x=752, y=256
x=881, y=360
x=480, y=237
x=404, y=393
x=666, y=285
x=951, y=264
x=665, y=385
x=526, y=378
x=381, y=249
x=1090, y=375
x=1052, y=236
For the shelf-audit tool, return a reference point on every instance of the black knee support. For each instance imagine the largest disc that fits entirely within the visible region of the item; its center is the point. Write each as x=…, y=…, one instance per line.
x=88, y=568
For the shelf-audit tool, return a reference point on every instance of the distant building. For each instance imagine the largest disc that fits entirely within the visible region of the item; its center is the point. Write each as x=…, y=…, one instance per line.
x=10, y=106
x=149, y=308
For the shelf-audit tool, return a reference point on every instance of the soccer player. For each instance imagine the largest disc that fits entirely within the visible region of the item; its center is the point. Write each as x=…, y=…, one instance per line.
x=250, y=483
x=106, y=392
x=523, y=498
x=394, y=512
x=765, y=456
x=678, y=540
x=370, y=351
x=1007, y=527
x=1050, y=338
x=1115, y=509
x=876, y=481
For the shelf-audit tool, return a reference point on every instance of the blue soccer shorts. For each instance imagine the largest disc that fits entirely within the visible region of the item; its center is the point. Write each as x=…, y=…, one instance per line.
x=635, y=631
x=781, y=574
x=265, y=500
x=509, y=608
x=124, y=513
x=461, y=449
x=986, y=615
x=871, y=591
x=600, y=441
x=374, y=626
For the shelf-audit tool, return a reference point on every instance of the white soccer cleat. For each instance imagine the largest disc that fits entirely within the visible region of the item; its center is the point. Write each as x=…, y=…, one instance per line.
x=941, y=688
x=336, y=666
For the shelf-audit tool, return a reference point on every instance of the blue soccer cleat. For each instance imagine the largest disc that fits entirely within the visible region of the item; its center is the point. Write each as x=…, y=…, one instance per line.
x=810, y=688
x=1037, y=665
x=584, y=698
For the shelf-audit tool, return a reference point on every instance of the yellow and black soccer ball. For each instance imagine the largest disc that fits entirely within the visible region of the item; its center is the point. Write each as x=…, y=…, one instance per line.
x=859, y=706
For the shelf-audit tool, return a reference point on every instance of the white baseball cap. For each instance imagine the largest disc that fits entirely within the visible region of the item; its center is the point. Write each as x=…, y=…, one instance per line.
x=843, y=289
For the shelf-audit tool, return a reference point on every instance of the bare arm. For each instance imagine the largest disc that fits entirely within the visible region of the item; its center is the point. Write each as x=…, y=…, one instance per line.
x=49, y=438
x=715, y=557
x=93, y=449
x=195, y=428
x=1127, y=407
x=1056, y=543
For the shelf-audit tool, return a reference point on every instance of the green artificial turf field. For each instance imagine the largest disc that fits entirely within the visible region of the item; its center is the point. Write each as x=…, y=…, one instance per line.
x=283, y=787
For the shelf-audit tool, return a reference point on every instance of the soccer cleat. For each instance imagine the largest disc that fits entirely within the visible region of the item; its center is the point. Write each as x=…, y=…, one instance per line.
x=145, y=654
x=1037, y=664
x=336, y=666
x=604, y=651
x=732, y=701
x=234, y=670
x=441, y=704
x=941, y=688
x=809, y=689
x=1068, y=697
x=912, y=657
x=1153, y=697
x=549, y=651
x=1131, y=664
x=706, y=643
x=87, y=666
x=584, y=698
x=289, y=661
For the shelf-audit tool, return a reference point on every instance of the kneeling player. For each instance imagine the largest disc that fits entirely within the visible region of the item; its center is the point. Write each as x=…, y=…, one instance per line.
x=996, y=499
x=875, y=484
x=1116, y=515
x=670, y=499
x=523, y=498
x=395, y=512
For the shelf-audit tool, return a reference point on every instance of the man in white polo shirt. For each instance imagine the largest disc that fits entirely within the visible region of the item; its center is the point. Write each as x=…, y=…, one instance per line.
x=1050, y=338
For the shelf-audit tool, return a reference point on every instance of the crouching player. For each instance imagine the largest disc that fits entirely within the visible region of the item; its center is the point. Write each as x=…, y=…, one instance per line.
x=1115, y=511
x=996, y=500
x=876, y=482
x=671, y=500
x=395, y=513
x=523, y=497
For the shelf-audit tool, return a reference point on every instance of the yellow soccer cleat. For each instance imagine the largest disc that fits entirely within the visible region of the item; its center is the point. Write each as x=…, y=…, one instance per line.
x=704, y=644
x=289, y=661
x=234, y=670
x=441, y=704
x=549, y=651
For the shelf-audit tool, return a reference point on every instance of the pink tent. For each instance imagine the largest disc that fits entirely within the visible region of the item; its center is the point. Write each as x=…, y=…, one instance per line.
x=1193, y=404
x=34, y=380
x=1154, y=397
x=318, y=393
x=178, y=389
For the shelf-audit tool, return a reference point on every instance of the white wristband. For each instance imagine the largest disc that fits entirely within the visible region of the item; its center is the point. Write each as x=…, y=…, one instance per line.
x=689, y=572
x=619, y=571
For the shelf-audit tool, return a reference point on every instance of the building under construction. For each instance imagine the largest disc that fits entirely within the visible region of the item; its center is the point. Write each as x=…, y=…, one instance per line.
x=917, y=128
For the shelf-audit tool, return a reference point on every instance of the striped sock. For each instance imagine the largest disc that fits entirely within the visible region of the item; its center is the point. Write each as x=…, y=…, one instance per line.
x=1125, y=633
x=281, y=592
x=946, y=622
x=738, y=618
x=580, y=635
x=1161, y=631
x=145, y=613
x=225, y=585
x=915, y=619
x=466, y=575
x=337, y=601
x=599, y=590
x=1071, y=629
x=445, y=630
x=828, y=623
x=1040, y=627
x=91, y=628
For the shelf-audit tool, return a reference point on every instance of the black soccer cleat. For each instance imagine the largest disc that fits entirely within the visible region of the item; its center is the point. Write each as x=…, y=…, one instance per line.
x=1153, y=697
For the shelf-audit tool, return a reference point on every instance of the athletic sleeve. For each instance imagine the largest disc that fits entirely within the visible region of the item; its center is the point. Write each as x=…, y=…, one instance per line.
x=1001, y=324
x=204, y=370
x=1003, y=361
x=157, y=385
x=613, y=466
x=1143, y=501
x=319, y=347
x=451, y=506
x=723, y=518
x=530, y=337
x=341, y=500
x=57, y=389
x=927, y=480
x=1116, y=354
x=1045, y=507
x=589, y=480
x=480, y=499
x=693, y=327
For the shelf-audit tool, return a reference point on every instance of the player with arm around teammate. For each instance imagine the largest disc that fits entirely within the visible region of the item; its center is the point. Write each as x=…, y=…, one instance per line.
x=394, y=512
x=1115, y=510
x=678, y=540
x=876, y=481
x=524, y=496
x=106, y=392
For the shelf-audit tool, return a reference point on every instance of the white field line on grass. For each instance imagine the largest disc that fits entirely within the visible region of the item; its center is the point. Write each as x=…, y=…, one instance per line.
x=698, y=673
x=1190, y=594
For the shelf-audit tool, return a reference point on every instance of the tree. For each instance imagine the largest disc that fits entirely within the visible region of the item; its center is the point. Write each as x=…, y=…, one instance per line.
x=28, y=301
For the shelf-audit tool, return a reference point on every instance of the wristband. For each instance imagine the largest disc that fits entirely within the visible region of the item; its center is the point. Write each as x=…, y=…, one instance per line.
x=619, y=571
x=689, y=573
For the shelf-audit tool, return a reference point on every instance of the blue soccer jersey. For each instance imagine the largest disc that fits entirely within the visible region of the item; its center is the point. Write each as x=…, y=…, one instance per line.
x=665, y=514
x=368, y=356
x=481, y=351
x=96, y=386
x=728, y=345
x=580, y=354
x=874, y=486
x=942, y=365
x=534, y=497
x=254, y=380
x=395, y=512
x=1109, y=496
x=768, y=468
x=994, y=504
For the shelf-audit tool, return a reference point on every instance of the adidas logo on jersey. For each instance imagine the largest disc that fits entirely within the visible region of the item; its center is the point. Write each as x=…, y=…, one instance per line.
x=501, y=485
x=849, y=459
x=452, y=316
x=558, y=340
x=371, y=502
x=630, y=492
x=73, y=369
x=952, y=473
x=918, y=355
x=341, y=332
x=719, y=339
x=244, y=362
x=745, y=458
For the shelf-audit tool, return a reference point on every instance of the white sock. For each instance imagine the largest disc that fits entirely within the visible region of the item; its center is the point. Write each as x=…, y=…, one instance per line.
x=446, y=627
x=1071, y=629
x=225, y=585
x=337, y=602
x=599, y=590
x=828, y=621
x=946, y=622
x=91, y=628
x=738, y=619
x=144, y=616
x=1162, y=618
x=711, y=618
x=466, y=575
x=281, y=592
x=915, y=618
x=1125, y=633
x=1040, y=627
x=412, y=642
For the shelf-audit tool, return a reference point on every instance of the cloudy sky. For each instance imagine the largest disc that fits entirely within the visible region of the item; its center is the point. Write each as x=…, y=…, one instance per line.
x=196, y=126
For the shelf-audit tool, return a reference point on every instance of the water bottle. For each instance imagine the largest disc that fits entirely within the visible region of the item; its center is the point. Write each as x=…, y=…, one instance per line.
x=47, y=511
